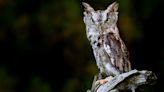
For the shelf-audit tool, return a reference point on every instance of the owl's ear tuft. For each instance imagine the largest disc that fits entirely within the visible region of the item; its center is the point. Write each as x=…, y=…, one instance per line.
x=113, y=7
x=87, y=7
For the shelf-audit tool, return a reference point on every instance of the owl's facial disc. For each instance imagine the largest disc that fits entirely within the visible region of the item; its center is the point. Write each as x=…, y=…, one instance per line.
x=99, y=17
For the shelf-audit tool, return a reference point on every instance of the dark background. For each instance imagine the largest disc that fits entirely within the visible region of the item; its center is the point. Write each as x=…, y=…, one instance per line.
x=43, y=45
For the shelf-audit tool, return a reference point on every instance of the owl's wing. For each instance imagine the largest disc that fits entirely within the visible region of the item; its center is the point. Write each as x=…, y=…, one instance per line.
x=118, y=52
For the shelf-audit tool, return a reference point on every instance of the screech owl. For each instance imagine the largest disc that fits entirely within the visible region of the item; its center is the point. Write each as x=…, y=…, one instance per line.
x=111, y=54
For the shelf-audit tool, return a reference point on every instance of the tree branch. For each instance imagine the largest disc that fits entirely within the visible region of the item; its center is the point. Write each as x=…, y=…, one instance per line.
x=125, y=81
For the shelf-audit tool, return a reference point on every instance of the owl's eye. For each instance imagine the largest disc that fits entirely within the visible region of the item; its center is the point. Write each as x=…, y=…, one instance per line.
x=107, y=19
x=92, y=20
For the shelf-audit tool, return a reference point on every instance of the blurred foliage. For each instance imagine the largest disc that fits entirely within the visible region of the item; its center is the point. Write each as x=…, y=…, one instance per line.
x=7, y=82
x=37, y=85
x=43, y=45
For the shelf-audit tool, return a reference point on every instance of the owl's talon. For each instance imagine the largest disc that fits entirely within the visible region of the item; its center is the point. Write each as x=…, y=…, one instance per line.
x=103, y=81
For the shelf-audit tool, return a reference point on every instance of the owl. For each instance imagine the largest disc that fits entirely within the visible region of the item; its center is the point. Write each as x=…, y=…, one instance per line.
x=110, y=52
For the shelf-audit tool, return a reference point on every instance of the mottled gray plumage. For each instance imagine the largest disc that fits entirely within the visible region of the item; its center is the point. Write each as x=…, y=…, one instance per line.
x=111, y=54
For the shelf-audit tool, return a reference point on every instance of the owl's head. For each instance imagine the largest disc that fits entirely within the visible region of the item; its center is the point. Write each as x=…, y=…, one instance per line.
x=108, y=17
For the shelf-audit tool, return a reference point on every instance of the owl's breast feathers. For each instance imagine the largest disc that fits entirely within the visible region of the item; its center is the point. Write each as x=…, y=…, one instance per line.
x=117, y=51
